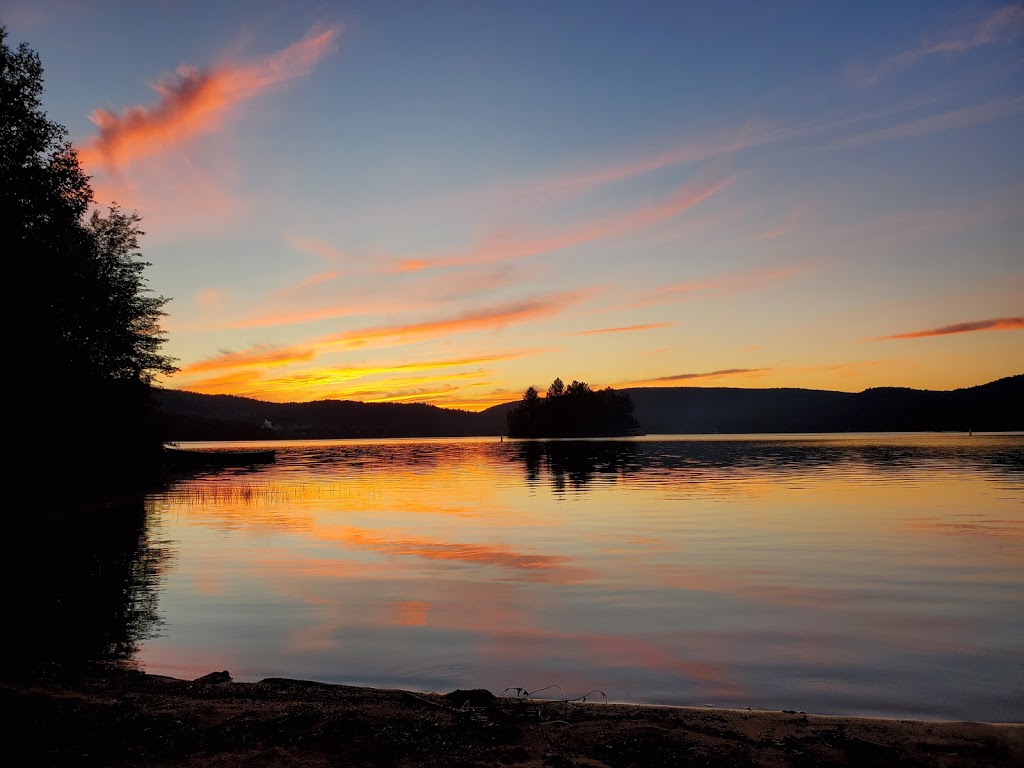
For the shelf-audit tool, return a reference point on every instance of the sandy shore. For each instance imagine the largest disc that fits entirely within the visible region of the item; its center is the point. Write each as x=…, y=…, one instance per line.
x=103, y=716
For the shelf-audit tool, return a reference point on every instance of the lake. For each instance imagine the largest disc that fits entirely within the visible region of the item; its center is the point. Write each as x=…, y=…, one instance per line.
x=847, y=574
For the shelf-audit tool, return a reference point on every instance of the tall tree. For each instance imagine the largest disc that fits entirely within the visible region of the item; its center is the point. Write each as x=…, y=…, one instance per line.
x=87, y=342
x=557, y=388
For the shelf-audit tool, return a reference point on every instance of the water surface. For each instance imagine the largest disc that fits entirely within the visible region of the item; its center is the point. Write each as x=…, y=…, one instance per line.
x=854, y=574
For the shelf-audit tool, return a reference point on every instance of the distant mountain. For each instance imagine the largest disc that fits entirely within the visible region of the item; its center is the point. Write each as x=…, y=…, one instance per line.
x=997, y=406
x=990, y=407
x=192, y=416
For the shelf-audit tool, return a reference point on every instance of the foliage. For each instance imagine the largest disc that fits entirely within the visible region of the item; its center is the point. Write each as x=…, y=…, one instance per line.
x=572, y=411
x=89, y=331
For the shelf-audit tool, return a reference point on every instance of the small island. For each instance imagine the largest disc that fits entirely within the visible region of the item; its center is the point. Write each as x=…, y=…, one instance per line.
x=573, y=411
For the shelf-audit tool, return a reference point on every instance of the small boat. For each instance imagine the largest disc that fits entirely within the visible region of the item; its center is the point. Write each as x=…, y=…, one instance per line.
x=190, y=459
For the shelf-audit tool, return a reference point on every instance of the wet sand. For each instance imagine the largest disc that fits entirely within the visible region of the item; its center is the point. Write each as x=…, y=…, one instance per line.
x=111, y=716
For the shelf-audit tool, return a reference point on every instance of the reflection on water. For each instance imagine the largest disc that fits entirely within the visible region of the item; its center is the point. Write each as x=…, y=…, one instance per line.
x=857, y=574
x=86, y=581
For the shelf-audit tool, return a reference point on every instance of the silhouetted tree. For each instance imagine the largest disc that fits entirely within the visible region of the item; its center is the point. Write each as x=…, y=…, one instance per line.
x=573, y=411
x=88, y=338
x=578, y=389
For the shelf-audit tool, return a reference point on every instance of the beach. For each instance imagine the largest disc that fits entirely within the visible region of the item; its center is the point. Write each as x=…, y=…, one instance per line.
x=112, y=715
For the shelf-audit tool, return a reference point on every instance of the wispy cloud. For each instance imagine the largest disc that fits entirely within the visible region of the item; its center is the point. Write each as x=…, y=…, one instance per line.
x=259, y=356
x=740, y=281
x=505, y=247
x=995, y=324
x=789, y=223
x=625, y=328
x=306, y=302
x=320, y=248
x=1004, y=25
x=958, y=118
x=491, y=318
x=194, y=101
x=310, y=282
x=209, y=298
x=660, y=381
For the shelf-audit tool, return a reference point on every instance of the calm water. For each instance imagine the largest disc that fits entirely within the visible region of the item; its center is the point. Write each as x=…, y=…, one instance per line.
x=852, y=574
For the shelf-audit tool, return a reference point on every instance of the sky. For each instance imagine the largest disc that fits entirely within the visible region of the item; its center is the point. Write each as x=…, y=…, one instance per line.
x=449, y=202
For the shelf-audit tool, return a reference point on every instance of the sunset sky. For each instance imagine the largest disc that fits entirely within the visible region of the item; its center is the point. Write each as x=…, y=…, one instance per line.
x=447, y=202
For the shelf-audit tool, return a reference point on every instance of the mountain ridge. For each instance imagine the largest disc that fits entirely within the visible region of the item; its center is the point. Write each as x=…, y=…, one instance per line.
x=995, y=406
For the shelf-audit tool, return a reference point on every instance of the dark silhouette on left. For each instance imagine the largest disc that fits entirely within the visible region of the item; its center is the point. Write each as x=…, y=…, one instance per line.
x=89, y=592
x=87, y=337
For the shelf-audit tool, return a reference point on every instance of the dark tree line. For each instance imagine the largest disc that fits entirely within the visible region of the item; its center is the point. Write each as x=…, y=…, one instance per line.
x=572, y=411
x=86, y=336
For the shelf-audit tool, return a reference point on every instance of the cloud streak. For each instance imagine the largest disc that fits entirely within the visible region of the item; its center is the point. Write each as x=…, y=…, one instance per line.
x=959, y=118
x=259, y=356
x=995, y=324
x=193, y=102
x=494, y=318
x=1004, y=25
x=625, y=328
x=741, y=281
x=510, y=247
x=707, y=375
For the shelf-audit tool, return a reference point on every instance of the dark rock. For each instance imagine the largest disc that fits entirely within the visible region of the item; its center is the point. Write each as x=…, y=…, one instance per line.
x=474, y=697
x=215, y=678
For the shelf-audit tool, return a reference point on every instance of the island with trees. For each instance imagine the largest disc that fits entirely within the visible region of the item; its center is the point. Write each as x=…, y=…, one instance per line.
x=575, y=410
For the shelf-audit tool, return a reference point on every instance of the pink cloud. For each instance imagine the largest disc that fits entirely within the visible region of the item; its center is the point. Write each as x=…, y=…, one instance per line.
x=491, y=318
x=193, y=102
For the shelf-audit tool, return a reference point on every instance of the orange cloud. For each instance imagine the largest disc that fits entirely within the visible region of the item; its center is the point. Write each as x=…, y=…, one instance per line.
x=476, y=320
x=258, y=356
x=509, y=247
x=995, y=324
x=241, y=382
x=395, y=382
x=193, y=102
x=624, y=328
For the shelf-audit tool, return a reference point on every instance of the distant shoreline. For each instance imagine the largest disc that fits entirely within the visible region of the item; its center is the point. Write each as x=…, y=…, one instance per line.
x=112, y=715
x=992, y=407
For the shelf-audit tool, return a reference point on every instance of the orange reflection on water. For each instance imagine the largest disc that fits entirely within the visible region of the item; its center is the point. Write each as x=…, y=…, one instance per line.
x=411, y=613
x=421, y=564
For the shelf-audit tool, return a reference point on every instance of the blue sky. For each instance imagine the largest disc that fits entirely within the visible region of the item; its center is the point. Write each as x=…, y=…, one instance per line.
x=449, y=202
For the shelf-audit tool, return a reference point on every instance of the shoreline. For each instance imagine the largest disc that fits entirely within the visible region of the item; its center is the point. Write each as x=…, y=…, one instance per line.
x=110, y=715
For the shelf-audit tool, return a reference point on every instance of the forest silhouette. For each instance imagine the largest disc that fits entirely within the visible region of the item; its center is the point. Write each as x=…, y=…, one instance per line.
x=575, y=410
x=88, y=328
